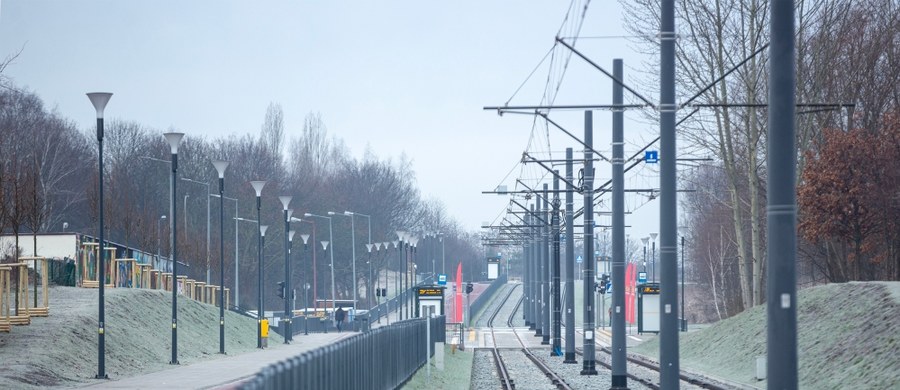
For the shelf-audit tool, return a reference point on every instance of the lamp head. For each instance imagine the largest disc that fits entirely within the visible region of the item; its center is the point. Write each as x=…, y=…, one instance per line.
x=324, y=245
x=348, y=213
x=683, y=230
x=289, y=213
x=414, y=240
x=385, y=244
x=220, y=167
x=258, y=186
x=377, y=246
x=331, y=213
x=645, y=240
x=396, y=243
x=369, y=247
x=174, y=140
x=401, y=235
x=262, y=230
x=291, y=235
x=307, y=215
x=285, y=200
x=305, y=237
x=99, y=100
x=653, y=236
x=163, y=217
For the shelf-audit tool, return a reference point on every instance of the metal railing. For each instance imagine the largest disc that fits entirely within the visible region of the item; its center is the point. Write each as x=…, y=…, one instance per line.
x=384, y=358
x=384, y=308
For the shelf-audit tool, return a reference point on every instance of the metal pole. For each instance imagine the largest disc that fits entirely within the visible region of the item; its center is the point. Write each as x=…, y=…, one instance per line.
x=619, y=364
x=781, y=290
x=208, y=269
x=353, y=250
x=259, y=239
x=236, y=271
x=101, y=318
x=288, y=314
x=174, y=260
x=545, y=267
x=554, y=234
x=526, y=277
x=221, y=265
x=589, y=363
x=683, y=319
x=668, y=207
x=570, y=262
x=535, y=271
x=262, y=302
x=333, y=295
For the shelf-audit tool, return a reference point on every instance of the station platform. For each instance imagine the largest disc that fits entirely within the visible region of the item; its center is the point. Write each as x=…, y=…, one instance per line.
x=224, y=373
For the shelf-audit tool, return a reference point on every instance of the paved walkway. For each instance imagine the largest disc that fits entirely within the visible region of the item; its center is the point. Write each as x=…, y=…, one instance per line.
x=221, y=372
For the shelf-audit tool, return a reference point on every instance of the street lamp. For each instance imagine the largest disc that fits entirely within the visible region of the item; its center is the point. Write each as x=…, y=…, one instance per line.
x=369, y=219
x=314, y=269
x=174, y=140
x=305, y=238
x=325, y=247
x=159, y=238
x=413, y=241
x=306, y=299
x=285, y=202
x=236, y=219
x=683, y=230
x=653, y=256
x=258, y=187
x=645, y=240
x=207, y=218
x=220, y=168
x=369, y=280
x=289, y=300
x=402, y=238
x=99, y=100
x=353, y=251
x=262, y=302
x=397, y=243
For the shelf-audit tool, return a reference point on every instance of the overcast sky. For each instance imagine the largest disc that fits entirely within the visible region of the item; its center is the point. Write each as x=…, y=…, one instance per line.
x=393, y=76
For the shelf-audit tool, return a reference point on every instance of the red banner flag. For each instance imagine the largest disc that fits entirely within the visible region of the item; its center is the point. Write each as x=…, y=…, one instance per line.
x=630, y=291
x=458, y=313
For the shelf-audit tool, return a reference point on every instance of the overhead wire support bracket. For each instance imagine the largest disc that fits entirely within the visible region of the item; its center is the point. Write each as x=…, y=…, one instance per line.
x=556, y=174
x=604, y=71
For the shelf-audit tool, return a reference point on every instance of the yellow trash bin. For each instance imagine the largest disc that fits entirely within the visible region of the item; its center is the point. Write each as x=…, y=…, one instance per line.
x=264, y=329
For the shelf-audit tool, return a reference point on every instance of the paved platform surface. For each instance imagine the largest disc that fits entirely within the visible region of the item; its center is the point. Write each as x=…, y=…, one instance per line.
x=220, y=373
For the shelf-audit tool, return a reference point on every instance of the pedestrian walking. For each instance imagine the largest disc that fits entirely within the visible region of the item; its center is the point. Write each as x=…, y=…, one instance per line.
x=339, y=316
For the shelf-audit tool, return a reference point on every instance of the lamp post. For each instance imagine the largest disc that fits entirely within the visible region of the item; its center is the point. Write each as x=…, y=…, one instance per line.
x=683, y=230
x=397, y=244
x=305, y=238
x=353, y=251
x=314, y=284
x=289, y=299
x=220, y=169
x=413, y=241
x=258, y=187
x=401, y=239
x=645, y=240
x=207, y=220
x=443, y=255
x=653, y=257
x=262, y=302
x=236, y=219
x=99, y=101
x=369, y=279
x=369, y=218
x=325, y=247
x=305, y=299
x=174, y=140
x=159, y=239
x=377, y=281
x=285, y=201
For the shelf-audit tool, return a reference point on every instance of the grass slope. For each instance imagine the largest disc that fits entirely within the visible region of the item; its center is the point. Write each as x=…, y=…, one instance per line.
x=61, y=350
x=847, y=333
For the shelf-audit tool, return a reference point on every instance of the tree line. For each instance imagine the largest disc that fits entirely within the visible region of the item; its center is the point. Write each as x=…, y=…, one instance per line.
x=49, y=176
x=847, y=53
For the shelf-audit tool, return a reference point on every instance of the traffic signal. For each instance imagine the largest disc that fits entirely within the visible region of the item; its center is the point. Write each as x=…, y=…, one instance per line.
x=469, y=287
x=604, y=281
x=280, y=291
x=384, y=292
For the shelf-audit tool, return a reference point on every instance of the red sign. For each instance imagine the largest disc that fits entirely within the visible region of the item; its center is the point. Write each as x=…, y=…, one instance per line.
x=630, y=292
x=458, y=314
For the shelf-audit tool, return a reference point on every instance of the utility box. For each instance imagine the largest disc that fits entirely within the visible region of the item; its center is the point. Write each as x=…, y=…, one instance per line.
x=760, y=368
x=264, y=332
x=648, y=307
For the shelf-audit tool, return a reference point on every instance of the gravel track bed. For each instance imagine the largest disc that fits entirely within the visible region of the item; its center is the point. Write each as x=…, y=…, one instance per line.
x=523, y=372
x=484, y=372
x=491, y=307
